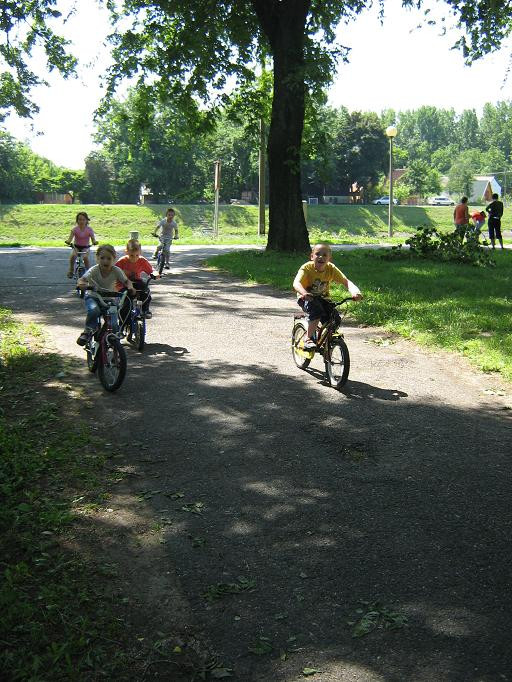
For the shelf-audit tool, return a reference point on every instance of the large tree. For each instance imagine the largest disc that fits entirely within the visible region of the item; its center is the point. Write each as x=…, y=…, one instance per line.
x=190, y=48
x=185, y=49
x=26, y=25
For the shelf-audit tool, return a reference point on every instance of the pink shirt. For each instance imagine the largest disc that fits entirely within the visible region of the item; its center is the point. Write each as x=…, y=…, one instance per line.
x=81, y=237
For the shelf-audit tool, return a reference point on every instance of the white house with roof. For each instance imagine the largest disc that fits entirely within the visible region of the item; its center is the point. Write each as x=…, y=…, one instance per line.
x=484, y=186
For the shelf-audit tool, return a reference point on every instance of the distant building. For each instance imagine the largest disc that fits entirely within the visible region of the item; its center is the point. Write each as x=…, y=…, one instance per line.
x=54, y=198
x=484, y=186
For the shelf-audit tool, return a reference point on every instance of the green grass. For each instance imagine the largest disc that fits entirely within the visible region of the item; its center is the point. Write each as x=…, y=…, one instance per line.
x=456, y=307
x=57, y=620
x=49, y=225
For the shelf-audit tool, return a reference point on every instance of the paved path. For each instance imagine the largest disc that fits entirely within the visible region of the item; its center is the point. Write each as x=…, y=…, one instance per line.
x=396, y=490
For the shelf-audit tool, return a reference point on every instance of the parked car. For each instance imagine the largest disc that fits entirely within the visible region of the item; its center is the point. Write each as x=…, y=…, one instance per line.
x=384, y=201
x=440, y=201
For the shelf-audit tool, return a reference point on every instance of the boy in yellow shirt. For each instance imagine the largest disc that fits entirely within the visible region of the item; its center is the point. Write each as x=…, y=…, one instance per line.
x=312, y=284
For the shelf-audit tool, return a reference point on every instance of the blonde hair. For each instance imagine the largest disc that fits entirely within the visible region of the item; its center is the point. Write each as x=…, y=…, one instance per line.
x=133, y=245
x=106, y=247
x=322, y=245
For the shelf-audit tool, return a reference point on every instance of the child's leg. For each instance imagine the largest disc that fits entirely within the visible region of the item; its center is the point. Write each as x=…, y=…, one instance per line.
x=86, y=260
x=93, y=314
x=71, y=263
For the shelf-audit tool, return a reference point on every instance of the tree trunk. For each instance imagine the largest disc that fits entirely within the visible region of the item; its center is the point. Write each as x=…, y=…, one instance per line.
x=284, y=26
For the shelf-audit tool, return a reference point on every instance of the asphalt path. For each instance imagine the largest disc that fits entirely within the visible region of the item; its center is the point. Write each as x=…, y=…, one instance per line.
x=395, y=490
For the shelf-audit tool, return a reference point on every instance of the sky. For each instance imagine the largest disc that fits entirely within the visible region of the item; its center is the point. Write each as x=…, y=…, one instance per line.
x=392, y=66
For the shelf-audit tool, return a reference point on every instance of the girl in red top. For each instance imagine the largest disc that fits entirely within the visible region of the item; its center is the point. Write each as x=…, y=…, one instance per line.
x=135, y=267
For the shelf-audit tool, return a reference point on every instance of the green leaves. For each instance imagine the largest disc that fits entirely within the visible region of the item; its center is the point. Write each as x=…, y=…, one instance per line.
x=220, y=590
x=261, y=646
x=376, y=615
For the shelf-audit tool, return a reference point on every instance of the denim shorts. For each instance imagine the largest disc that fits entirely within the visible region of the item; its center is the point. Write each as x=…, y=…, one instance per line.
x=315, y=309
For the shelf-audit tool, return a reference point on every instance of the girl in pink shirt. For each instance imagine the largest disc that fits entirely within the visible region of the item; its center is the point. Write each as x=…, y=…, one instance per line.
x=80, y=235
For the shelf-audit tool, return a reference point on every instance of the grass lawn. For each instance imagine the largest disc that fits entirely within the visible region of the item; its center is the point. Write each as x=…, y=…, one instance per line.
x=49, y=225
x=456, y=307
x=58, y=621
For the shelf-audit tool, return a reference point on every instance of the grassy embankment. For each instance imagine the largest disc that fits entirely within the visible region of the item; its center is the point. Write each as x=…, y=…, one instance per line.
x=456, y=307
x=49, y=225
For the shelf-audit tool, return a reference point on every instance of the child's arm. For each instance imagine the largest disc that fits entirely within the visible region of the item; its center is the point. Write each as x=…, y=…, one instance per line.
x=93, y=237
x=299, y=288
x=70, y=238
x=353, y=290
x=176, y=230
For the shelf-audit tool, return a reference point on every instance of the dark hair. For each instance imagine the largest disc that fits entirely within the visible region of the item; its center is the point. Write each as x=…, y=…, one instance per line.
x=464, y=200
x=84, y=215
x=495, y=196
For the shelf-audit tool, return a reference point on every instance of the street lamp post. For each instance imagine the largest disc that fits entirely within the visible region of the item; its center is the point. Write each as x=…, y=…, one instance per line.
x=391, y=132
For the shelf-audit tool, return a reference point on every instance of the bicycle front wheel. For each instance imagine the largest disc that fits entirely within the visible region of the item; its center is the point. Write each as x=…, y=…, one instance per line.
x=140, y=334
x=300, y=357
x=112, y=365
x=337, y=362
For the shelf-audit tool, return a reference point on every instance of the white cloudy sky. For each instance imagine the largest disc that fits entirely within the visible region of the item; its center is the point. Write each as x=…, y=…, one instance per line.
x=390, y=67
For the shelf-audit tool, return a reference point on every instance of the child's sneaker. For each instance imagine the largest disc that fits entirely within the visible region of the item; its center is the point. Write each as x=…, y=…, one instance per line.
x=309, y=344
x=148, y=314
x=83, y=338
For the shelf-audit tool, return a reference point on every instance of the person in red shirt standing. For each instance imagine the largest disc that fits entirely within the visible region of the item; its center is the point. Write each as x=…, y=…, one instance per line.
x=461, y=218
x=135, y=267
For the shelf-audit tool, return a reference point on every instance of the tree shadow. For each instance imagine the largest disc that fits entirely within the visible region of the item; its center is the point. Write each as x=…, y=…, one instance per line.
x=328, y=501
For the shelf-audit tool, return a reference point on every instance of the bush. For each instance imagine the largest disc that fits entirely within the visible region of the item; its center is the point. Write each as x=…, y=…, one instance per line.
x=429, y=243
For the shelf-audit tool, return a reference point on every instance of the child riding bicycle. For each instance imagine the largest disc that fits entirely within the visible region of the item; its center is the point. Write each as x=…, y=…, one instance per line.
x=135, y=266
x=80, y=236
x=166, y=229
x=312, y=284
x=103, y=276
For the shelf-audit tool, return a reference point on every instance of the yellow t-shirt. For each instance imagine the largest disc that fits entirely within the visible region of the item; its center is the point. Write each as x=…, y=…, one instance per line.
x=316, y=282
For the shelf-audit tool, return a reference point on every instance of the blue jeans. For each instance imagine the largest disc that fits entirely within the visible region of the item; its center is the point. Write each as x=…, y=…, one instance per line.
x=93, y=318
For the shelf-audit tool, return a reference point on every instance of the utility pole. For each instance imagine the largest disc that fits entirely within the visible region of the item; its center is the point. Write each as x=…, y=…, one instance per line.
x=216, y=205
x=261, y=180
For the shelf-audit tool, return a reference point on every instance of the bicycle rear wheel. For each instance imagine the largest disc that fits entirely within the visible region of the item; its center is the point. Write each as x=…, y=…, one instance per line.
x=337, y=362
x=300, y=357
x=112, y=365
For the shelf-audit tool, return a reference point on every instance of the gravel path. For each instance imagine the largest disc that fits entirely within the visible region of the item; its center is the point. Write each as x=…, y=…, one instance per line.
x=395, y=491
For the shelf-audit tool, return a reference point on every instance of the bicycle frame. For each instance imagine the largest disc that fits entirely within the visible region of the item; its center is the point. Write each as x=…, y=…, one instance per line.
x=110, y=311
x=327, y=330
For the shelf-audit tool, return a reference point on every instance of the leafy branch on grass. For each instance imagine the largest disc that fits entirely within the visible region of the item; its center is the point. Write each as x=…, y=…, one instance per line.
x=376, y=616
x=431, y=244
x=220, y=590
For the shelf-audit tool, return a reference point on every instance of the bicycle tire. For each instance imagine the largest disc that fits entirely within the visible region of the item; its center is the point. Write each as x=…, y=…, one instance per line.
x=337, y=362
x=111, y=374
x=298, y=334
x=92, y=362
x=160, y=262
x=140, y=335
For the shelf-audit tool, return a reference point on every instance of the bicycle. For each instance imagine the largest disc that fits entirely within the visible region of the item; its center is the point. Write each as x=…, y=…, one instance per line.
x=164, y=254
x=330, y=344
x=134, y=325
x=104, y=350
x=79, y=266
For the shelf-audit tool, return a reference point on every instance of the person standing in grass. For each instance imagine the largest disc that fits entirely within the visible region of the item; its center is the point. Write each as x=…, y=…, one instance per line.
x=461, y=218
x=495, y=212
x=312, y=285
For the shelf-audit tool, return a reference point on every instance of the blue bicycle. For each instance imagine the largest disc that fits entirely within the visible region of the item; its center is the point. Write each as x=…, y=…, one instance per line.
x=134, y=324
